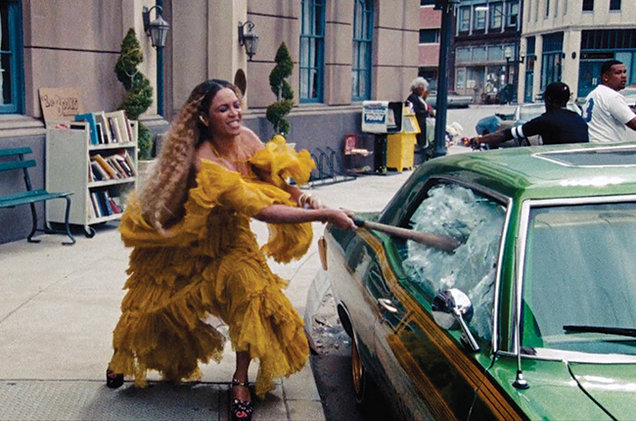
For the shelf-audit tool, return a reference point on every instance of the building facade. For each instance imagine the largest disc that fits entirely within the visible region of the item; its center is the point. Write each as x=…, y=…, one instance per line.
x=485, y=50
x=567, y=41
x=428, y=49
x=344, y=52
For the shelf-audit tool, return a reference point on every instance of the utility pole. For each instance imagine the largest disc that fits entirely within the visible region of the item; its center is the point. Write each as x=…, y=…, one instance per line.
x=447, y=7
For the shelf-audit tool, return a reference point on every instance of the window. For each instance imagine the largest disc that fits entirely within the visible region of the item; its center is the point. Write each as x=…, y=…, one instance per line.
x=463, y=19
x=429, y=36
x=530, y=59
x=362, y=41
x=11, y=82
x=462, y=55
x=547, y=8
x=478, y=221
x=480, y=20
x=560, y=288
x=496, y=15
x=551, y=68
x=427, y=2
x=615, y=5
x=312, y=39
x=479, y=53
x=513, y=14
x=460, y=79
x=588, y=5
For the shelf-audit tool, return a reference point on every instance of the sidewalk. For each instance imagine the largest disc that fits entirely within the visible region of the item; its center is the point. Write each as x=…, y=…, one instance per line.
x=61, y=303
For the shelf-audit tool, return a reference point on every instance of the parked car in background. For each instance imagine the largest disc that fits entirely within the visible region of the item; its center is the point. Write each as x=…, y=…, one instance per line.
x=454, y=100
x=630, y=96
x=521, y=114
x=531, y=316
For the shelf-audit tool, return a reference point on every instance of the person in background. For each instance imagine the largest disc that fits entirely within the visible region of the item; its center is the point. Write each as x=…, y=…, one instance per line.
x=556, y=125
x=194, y=254
x=422, y=110
x=606, y=112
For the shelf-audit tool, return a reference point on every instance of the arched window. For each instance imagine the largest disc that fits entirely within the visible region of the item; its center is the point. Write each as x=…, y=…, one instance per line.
x=11, y=82
x=312, y=40
x=362, y=43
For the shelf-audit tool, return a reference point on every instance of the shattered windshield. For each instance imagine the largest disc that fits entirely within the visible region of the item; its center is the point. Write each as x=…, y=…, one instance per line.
x=478, y=223
x=579, y=283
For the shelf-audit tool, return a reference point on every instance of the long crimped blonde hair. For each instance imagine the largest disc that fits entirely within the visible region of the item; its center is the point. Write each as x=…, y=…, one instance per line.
x=166, y=190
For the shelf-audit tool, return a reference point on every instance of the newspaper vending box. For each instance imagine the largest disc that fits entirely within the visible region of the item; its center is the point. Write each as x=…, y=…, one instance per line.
x=395, y=127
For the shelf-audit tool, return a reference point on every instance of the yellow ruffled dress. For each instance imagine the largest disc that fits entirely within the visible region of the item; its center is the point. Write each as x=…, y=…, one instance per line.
x=211, y=264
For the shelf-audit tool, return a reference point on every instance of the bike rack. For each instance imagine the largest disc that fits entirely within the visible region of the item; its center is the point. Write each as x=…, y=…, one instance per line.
x=329, y=169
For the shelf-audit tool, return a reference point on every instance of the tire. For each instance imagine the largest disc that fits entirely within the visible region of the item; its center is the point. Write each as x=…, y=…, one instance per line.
x=368, y=396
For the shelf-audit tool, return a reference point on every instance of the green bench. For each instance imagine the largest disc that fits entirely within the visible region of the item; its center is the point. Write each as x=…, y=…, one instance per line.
x=12, y=159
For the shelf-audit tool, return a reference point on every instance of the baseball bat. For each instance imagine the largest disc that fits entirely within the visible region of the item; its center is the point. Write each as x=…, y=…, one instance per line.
x=440, y=241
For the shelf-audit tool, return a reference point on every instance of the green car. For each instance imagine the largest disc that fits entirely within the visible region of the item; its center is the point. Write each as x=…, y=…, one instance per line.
x=531, y=313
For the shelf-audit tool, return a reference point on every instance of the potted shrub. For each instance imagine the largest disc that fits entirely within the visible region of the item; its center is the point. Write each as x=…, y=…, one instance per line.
x=277, y=111
x=139, y=90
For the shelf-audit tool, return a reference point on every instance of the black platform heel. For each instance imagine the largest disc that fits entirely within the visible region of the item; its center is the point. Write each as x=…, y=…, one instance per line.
x=241, y=410
x=113, y=380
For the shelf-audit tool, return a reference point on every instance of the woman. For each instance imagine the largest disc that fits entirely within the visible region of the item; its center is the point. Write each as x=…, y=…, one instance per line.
x=194, y=254
x=417, y=99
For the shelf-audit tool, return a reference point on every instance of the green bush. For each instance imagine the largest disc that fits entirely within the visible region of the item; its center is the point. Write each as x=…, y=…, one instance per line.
x=138, y=87
x=277, y=111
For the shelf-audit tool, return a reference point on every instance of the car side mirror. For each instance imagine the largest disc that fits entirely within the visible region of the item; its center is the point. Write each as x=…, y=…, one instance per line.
x=452, y=310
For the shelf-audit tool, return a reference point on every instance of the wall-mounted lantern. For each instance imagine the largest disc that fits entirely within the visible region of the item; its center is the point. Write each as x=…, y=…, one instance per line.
x=248, y=39
x=158, y=29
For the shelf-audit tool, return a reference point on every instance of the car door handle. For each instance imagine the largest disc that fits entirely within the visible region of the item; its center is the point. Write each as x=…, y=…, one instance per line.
x=387, y=305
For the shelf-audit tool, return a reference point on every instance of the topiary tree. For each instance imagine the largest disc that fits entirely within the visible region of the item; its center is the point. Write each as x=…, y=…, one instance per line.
x=277, y=111
x=138, y=87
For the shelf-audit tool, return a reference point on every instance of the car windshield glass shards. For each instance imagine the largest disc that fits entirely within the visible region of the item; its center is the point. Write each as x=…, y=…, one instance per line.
x=478, y=223
x=579, y=283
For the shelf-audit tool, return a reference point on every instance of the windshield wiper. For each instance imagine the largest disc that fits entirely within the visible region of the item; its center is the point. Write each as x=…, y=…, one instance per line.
x=624, y=331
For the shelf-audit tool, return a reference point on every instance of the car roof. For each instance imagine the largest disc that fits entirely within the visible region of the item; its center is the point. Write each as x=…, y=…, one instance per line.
x=546, y=172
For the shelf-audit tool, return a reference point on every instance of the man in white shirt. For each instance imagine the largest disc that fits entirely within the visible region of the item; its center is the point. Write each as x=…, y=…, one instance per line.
x=606, y=112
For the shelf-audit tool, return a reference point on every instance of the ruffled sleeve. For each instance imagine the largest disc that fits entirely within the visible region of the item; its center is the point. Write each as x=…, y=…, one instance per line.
x=281, y=162
x=217, y=186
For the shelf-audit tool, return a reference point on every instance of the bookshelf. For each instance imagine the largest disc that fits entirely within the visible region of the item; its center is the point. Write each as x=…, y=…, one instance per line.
x=99, y=175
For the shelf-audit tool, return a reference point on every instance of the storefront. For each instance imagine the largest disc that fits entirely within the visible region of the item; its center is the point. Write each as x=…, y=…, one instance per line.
x=598, y=46
x=483, y=72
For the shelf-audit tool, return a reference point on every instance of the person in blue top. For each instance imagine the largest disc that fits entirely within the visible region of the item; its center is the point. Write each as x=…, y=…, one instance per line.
x=556, y=125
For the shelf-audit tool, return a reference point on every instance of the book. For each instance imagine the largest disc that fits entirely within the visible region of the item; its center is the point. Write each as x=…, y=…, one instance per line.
x=92, y=124
x=100, y=134
x=96, y=205
x=90, y=207
x=121, y=172
x=104, y=165
x=130, y=163
x=100, y=117
x=120, y=125
x=119, y=202
x=105, y=198
x=113, y=205
x=122, y=162
x=116, y=132
x=99, y=173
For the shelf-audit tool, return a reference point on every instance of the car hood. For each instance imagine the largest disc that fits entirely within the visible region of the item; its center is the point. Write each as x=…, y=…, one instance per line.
x=564, y=390
x=613, y=386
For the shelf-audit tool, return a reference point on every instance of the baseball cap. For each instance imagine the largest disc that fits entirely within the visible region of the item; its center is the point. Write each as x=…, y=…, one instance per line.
x=557, y=91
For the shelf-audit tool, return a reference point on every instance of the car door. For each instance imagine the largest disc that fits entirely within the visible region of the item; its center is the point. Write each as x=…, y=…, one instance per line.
x=449, y=378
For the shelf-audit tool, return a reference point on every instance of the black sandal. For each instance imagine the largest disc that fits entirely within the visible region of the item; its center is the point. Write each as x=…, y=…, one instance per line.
x=113, y=380
x=241, y=410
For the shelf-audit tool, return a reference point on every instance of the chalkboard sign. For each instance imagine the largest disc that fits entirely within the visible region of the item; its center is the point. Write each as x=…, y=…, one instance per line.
x=60, y=103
